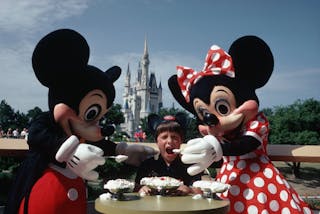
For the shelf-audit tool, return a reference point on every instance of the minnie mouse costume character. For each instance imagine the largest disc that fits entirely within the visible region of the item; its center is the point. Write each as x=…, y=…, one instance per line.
x=223, y=98
x=66, y=143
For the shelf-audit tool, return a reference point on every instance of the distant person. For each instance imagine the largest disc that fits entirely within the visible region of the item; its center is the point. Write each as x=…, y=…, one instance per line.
x=2, y=134
x=169, y=135
x=15, y=133
x=9, y=133
x=24, y=134
x=140, y=135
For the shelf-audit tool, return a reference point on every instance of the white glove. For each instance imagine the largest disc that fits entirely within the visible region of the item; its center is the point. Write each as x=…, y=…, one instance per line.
x=201, y=152
x=136, y=153
x=81, y=158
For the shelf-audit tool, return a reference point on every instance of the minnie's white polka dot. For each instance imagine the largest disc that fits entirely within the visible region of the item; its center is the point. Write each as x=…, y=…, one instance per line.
x=197, y=79
x=283, y=195
x=262, y=198
x=185, y=93
x=189, y=76
x=295, y=198
x=248, y=194
x=286, y=183
x=234, y=190
x=216, y=71
x=226, y=63
x=232, y=176
x=264, y=212
x=252, y=209
x=254, y=124
x=215, y=57
x=279, y=179
x=179, y=73
x=306, y=210
x=254, y=167
x=264, y=159
x=230, y=165
x=285, y=210
x=258, y=182
x=223, y=168
x=230, y=74
x=238, y=207
x=244, y=178
x=224, y=179
x=268, y=172
x=263, y=130
x=272, y=188
x=293, y=204
x=215, y=47
x=274, y=205
x=185, y=82
x=241, y=164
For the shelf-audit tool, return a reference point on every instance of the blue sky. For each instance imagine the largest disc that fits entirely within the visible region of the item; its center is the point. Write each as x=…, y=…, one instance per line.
x=179, y=32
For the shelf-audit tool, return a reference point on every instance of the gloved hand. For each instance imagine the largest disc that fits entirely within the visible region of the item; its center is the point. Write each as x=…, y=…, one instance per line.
x=136, y=153
x=201, y=152
x=81, y=158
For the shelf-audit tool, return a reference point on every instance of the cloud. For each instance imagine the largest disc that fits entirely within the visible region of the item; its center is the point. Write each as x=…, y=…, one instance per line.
x=289, y=85
x=28, y=16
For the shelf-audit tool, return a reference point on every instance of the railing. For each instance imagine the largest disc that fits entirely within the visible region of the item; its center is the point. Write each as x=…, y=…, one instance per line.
x=289, y=153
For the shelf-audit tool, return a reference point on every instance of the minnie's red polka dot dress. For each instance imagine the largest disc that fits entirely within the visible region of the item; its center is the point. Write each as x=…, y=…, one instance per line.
x=256, y=185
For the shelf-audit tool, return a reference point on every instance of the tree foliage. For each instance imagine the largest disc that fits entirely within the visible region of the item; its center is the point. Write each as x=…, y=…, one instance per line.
x=298, y=123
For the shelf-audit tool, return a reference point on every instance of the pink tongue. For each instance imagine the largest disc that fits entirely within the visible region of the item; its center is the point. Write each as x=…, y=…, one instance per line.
x=169, y=151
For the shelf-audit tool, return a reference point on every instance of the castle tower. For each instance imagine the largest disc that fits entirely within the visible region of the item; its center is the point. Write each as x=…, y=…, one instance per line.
x=142, y=91
x=141, y=98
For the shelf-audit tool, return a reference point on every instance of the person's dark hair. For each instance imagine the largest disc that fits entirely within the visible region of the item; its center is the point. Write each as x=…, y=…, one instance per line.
x=171, y=126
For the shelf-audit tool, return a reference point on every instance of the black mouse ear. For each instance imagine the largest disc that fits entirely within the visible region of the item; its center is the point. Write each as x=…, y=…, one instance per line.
x=252, y=60
x=181, y=118
x=177, y=94
x=153, y=121
x=60, y=55
x=113, y=73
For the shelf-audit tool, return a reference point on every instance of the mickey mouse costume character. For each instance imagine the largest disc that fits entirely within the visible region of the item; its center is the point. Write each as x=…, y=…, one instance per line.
x=66, y=143
x=223, y=98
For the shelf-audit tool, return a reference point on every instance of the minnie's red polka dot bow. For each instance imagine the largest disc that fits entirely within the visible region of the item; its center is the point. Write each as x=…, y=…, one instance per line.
x=217, y=62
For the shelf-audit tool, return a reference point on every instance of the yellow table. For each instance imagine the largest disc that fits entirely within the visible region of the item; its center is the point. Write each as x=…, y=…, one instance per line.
x=161, y=204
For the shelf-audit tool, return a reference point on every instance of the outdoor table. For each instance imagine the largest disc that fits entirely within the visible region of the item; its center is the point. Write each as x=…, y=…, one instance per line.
x=163, y=204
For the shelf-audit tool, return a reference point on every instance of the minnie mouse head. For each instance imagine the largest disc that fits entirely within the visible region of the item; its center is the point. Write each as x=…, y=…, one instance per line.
x=222, y=95
x=79, y=93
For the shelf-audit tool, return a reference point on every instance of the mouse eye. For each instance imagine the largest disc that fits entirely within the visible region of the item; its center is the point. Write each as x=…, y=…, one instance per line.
x=222, y=107
x=92, y=112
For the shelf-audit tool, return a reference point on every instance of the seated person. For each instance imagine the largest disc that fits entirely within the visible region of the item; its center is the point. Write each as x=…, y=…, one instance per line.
x=169, y=134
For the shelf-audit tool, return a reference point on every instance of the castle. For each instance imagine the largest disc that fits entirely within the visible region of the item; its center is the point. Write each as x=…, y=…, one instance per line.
x=141, y=98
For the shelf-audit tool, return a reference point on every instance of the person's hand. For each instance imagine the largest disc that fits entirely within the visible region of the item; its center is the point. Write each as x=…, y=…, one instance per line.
x=183, y=190
x=201, y=152
x=144, y=190
x=81, y=158
x=136, y=153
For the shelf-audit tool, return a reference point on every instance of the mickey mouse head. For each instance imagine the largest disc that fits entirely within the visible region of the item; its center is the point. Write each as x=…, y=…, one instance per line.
x=78, y=92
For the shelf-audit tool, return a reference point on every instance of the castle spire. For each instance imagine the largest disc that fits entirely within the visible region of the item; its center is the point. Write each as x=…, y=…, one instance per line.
x=145, y=52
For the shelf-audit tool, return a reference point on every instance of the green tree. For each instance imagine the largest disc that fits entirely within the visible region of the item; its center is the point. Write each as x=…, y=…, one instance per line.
x=33, y=113
x=298, y=124
x=7, y=115
x=114, y=115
